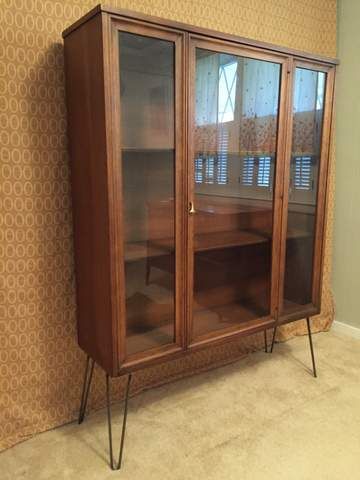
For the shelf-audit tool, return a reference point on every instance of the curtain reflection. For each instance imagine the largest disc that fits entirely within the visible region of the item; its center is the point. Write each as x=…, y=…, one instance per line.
x=235, y=124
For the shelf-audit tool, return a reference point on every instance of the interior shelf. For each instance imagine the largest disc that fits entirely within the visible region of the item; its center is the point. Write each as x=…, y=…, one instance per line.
x=225, y=316
x=205, y=321
x=140, y=250
x=290, y=307
x=160, y=335
x=219, y=240
x=203, y=242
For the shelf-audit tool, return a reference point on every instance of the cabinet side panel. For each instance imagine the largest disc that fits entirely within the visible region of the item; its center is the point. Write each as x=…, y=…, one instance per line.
x=88, y=159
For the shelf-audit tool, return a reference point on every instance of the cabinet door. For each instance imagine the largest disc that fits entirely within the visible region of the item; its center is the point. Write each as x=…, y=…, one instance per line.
x=305, y=188
x=149, y=64
x=234, y=137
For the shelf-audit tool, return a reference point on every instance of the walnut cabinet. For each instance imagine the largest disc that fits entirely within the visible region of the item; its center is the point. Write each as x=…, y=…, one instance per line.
x=199, y=167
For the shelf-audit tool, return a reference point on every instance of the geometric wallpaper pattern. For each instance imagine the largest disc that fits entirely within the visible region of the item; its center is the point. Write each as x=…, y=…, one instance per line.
x=41, y=366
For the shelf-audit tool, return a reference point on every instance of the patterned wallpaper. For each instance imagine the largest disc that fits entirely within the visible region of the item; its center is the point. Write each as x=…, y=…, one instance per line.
x=41, y=367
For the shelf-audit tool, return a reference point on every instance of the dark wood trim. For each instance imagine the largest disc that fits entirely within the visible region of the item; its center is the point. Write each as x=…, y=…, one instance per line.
x=155, y=355
x=115, y=185
x=219, y=336
x=115, y=188
x=281, y=152
x=188, y=195
x=309, y=310
x=190, y=186
x=311, y=64
x=258, y=325
x=85, y=18
x=200, y=31
x=249, y=51
x=180, y=173
x=88, y=113
x=285, y=184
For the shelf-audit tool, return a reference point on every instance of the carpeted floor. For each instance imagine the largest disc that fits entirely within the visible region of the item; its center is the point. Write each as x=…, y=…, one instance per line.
x=264, y=417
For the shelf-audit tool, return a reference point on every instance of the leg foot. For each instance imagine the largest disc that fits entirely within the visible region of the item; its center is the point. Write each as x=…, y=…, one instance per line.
x=265, y=341
x=273, y=340
x=117, y=466
x=86, y=388
x=311, y=347
x=148, y=271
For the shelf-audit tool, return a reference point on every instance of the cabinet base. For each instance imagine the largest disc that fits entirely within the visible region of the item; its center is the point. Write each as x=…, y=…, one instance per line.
x=89, y=368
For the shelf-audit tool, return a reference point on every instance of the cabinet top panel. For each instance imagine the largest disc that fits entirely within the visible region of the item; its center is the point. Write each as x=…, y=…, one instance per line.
x=198, y=31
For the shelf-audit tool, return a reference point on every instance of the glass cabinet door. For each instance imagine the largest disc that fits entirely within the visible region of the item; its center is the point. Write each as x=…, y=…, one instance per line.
x=234, y=154
x=304, y=179
x=149, y=156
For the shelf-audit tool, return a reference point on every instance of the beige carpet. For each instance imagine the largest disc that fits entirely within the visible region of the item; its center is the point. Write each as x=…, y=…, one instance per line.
x=264, y=417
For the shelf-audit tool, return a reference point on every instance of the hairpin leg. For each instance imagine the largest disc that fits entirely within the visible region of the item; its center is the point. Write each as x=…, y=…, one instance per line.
x=118, y=465
x=148, y=271
x=273, y=340
x=86, y=388
x=265, y=341
x=311, y=347
x=310, y=342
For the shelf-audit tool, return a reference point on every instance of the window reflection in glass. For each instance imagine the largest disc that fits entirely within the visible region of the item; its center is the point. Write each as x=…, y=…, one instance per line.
x=236, y=113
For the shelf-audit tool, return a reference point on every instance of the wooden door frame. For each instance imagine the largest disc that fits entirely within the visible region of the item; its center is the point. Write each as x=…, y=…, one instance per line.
x=222, y=46
x=322, y=191
x=111, y=26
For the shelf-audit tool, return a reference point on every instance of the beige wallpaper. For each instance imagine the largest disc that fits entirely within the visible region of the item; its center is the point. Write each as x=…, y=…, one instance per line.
x=41, y=367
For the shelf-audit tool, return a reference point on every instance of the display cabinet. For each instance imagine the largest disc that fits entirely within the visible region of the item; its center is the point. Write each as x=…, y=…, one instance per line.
x=199, y=166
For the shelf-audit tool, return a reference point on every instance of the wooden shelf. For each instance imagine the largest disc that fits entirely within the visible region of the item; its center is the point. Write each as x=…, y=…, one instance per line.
x=223, y=317
x=203, y=242
x=290, y=307
x=139, y=342
x=218, y=240
x=139, y=250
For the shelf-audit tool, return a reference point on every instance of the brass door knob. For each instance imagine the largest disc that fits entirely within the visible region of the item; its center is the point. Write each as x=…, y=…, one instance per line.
x=191, y=208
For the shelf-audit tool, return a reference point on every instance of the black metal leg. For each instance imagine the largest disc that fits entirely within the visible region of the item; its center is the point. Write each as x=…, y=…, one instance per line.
x=86, y=388
x=273, y=340
x=311, y=347
x=265, y=341
x=148, y=271
x=118, y=465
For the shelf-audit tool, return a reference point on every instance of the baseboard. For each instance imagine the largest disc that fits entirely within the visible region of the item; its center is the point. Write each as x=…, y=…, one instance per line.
x=346, y=329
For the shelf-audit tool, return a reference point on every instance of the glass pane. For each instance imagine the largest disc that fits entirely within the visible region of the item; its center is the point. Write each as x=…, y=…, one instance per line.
x=147, y=137
x=235, y=155
x=308, y=109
